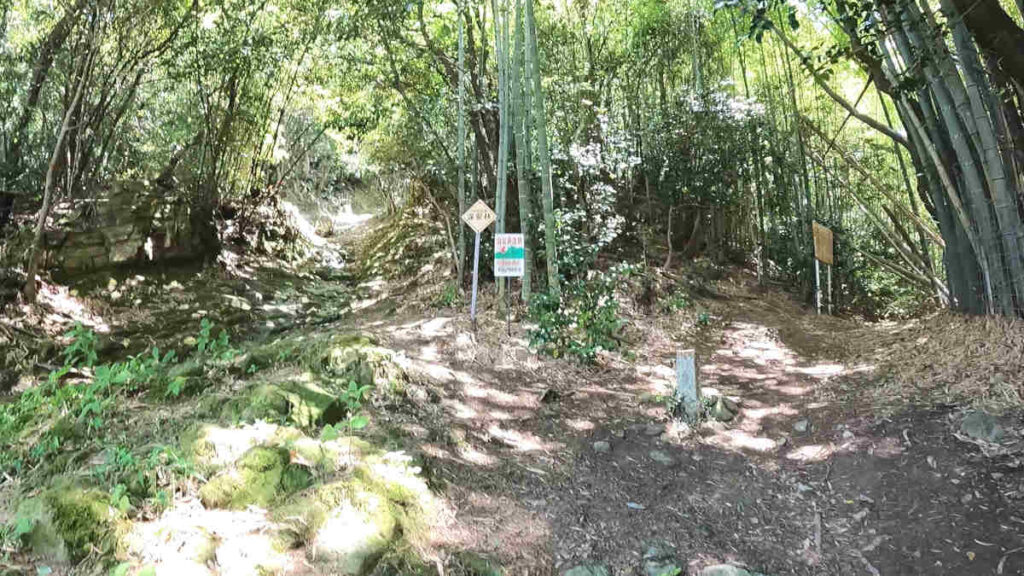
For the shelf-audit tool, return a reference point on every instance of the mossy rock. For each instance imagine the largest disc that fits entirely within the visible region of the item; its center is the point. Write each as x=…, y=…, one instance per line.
x=377, y=486
x=332, y=456
x=302, y=402
x=69, y=522
x=261, y=476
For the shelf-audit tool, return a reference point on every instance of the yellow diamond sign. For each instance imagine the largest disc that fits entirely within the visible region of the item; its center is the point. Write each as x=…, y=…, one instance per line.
x=479, y=216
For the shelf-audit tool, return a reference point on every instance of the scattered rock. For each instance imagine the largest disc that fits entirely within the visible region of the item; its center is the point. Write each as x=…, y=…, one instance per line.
x=304, y=403
x=731, y=404
x=602, y=447
x=588, y=571
x=262, y=474
x=549, y=395
x=654, y=429
x=68, y=523
x=352, y=539
x=662, y=458
x=847, y=435
x=802, y=425
x=981, y=425
x=721, y=412
x=238, y=302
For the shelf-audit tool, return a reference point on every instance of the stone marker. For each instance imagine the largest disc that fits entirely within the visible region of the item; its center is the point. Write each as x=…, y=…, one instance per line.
x=687, y=392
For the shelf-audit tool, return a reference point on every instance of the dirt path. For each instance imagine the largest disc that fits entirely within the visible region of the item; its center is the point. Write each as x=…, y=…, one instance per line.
x=804, y=481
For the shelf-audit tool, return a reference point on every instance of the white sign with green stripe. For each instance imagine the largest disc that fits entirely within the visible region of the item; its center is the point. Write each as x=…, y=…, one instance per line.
x=509, y=255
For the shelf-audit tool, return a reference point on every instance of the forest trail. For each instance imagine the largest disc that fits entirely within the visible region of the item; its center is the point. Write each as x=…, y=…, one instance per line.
x=551, y=466
x=546, y=465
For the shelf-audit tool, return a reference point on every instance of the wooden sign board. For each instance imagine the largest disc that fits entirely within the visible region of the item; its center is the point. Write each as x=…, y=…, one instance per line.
x=479, y=216
x=822, y=243
x=509, y=256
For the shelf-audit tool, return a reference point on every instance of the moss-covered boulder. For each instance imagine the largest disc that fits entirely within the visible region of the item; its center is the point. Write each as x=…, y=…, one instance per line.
x=299, y=400
x=345, y=526
x=353, y=538
x=68, y=523
x=259, y=477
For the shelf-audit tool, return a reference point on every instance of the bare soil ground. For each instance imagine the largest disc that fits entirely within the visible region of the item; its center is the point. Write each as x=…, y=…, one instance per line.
x=829, y=467
x=510, y=437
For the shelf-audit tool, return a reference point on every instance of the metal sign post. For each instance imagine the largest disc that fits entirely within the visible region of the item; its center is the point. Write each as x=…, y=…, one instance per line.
x=509, y=262
x=823, y=244
x=478, y=217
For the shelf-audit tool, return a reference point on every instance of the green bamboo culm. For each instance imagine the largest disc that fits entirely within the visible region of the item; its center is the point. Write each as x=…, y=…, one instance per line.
x=521, y=120
x=501, y=57
x=462, y=145
x=543, y=154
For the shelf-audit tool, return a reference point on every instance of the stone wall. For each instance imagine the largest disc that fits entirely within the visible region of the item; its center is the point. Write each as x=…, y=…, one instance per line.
x=129, y=223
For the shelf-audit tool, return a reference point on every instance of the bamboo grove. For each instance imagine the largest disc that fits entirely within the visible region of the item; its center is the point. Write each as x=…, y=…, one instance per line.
x=643, y=131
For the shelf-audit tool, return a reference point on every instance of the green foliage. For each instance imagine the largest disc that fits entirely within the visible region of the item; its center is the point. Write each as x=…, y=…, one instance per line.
x=141, y=477
x=583, y=321
x=78, y=400
x=216, y=347
x=674, y=302
x=353, y=398
x=82, y=350
x=449, y=297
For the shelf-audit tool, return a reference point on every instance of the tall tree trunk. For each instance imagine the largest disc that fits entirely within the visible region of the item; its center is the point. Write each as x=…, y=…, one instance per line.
x=522, y=152
x=995, y=31
x=541, y=124
x=32, y=267
x=461, y=255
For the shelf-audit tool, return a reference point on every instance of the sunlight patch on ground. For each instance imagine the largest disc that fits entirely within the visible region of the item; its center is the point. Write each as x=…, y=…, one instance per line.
x=349, y=219
x=470, y=454
x=67, y=305
x=741, y=440
x=580, y=425
x=812, y=453
x=460, y=410
x=433, y=371
x=230, y=443
x=495, y=396
x=187, y=537
x=657, y=378
x=521, y=441
x=818, y=370
x=790, y=389
x=429, y=353
x=303, y=225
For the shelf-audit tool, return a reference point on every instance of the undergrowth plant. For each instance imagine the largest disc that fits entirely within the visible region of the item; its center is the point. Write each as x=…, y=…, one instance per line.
x=355, y=419
x=217, y=347
x=72, y=408
x=583, y=321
